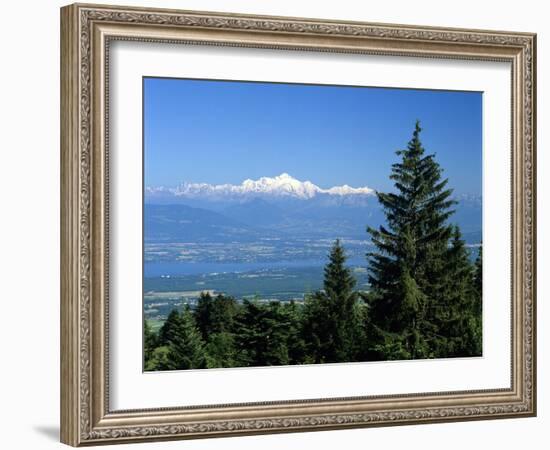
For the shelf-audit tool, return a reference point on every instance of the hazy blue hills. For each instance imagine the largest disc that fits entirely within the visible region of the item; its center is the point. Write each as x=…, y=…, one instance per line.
x=257, y=212
x=257, y=219
x=182, y=223
x=280, y=207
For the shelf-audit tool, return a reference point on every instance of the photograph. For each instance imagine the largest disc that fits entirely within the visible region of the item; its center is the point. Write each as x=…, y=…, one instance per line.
x=288, y=223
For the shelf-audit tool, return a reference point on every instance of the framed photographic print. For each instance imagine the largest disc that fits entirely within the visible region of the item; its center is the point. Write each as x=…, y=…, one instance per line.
x=275, y=224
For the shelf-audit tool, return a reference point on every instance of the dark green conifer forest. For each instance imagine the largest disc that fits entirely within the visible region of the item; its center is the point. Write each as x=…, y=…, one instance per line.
x=424, y=299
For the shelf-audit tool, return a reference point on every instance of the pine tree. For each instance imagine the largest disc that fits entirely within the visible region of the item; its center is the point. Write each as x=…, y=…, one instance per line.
x=215, y=320
x=293, y=313
x=215, y=314
x=262, y=334
x=332, y=328
x=185, y=344
x=160, y=359
x=406, y=272
x=220, y=350
x=203, y=313
x=168, y=329
x=456, y=316
x=150, y=341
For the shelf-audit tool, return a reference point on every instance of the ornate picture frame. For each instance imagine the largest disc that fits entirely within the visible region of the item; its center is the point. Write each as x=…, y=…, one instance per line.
x=87, y=31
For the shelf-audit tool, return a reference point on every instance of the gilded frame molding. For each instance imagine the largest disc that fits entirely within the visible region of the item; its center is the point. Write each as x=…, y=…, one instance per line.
x=86, y=31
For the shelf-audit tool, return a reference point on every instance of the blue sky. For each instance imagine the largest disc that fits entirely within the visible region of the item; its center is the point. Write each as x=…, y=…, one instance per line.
x=226, y=131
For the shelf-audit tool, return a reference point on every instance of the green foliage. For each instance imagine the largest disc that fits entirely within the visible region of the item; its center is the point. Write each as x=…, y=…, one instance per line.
x=296, y=345
x=169, y=328
x=420, y=274
x=150, y=341
x=186, y=344
x=476, y=318
x=333, y=330
x=392, y=346
x=215, y=320
x=161, y=359
x=339, y=281
x=214, y=314
x=180, y=344
x=478, y=276
x=456, y=314
x=220, y=350
x=262, y=334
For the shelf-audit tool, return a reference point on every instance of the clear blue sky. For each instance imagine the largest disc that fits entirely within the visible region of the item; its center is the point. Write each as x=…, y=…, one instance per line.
x=226, y=131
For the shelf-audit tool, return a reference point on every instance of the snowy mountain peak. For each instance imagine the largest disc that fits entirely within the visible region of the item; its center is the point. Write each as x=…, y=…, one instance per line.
x=283, y=185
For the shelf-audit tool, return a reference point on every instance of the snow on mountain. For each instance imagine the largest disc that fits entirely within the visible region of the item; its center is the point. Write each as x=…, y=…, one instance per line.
x=282, y=185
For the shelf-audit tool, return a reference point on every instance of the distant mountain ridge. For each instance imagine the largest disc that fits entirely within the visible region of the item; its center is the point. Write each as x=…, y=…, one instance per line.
x=173, y=223
x=281, y=186
x=281, y=207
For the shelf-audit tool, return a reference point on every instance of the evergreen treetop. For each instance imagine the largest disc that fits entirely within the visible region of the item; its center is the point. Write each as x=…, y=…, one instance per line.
x=332, y=327
x=407, y=270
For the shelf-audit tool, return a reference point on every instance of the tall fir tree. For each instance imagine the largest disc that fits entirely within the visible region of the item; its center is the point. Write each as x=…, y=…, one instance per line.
x=185, y=344
x=407, y=272
x=456, y=316
x=214, y=317
x=332, y=327
x=169, y=327
x=203, y=313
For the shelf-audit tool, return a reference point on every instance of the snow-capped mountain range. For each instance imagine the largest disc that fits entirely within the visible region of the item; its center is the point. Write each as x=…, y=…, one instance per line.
x=281, y=186
x=274, y=207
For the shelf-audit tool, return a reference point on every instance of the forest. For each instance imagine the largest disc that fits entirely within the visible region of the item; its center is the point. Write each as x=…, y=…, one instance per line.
x=424, y=298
